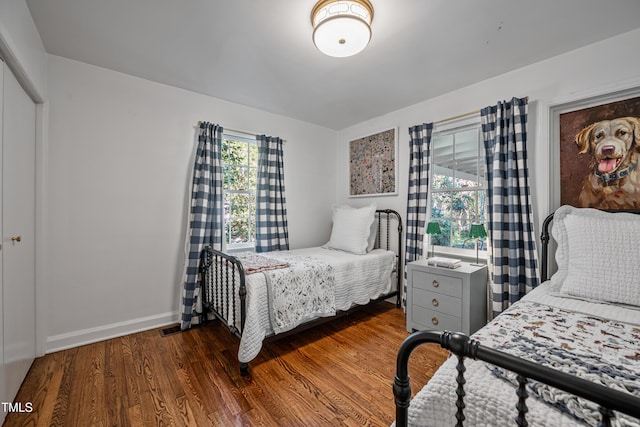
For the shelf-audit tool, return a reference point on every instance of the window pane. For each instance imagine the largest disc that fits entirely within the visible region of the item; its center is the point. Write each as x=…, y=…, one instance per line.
x=239, y=230
x=236, y=152
x=460, y=235
x=252, y=205
x=466, y=158
x=236, y=178
x=253, y=155
x=229, y=152
x=226, y=202
x=455, y=204
x=442, y=238
x=227, y=178
x=252, y=179
x=440, y=205
x=239, y=162
x=252, y=229
x=224, y=153
x=463, y=204
x=227, y=231
x=457, y=196
x=482, y=204
x=240, y=205
x=443, y=173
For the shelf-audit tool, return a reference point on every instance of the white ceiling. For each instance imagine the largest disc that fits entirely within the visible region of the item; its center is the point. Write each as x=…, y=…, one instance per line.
x=259, y=53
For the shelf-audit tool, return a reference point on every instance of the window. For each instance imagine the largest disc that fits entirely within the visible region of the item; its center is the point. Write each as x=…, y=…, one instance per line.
x=457, y=187
x=240, y=166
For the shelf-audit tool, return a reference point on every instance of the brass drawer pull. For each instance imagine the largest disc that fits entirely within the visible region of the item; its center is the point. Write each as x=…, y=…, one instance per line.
x=16, y=239
x=434, y=302
x=434, y=320
x=435, y=283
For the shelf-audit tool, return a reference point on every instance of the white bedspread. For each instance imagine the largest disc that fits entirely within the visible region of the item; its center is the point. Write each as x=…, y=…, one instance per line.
x=490, y=401
x=358, y=280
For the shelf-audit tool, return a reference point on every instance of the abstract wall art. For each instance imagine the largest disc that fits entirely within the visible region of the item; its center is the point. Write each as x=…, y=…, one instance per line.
x=372, y=165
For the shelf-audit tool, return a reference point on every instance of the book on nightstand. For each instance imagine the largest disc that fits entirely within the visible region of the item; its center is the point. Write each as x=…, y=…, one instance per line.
x=444, y=262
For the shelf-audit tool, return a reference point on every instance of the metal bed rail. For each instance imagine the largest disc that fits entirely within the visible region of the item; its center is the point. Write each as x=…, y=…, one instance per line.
x=462, y=346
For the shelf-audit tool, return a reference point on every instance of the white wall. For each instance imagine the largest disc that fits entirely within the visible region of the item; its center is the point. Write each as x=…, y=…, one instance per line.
x=581, y=73
x=120, y=156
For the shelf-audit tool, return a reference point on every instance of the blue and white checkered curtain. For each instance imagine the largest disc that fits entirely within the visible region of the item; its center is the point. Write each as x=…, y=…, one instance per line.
x=272, y=230
x=419, y=162
x=205, y=218
x=513, y=262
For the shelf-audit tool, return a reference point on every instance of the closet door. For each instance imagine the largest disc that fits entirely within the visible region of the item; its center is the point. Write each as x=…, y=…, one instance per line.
x=18, y=231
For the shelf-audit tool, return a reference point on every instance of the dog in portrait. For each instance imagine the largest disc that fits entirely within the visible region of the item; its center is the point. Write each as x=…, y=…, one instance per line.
x=614, y=150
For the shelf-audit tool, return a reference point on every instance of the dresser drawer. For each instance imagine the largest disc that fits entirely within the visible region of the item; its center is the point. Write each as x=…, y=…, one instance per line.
x=431, y=319
x=438, y=302
x=437, y=283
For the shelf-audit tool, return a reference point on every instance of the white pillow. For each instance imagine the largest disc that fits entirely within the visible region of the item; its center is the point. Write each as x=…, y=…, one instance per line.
x=559, y=233
x=597, y=255
x=351, y=228
x=373, y=232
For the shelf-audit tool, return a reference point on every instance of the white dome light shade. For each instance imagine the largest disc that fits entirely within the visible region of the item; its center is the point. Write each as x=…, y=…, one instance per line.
x=342, y=36
x=341, y=28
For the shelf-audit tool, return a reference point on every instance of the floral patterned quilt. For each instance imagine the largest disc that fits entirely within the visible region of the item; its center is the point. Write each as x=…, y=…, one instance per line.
x=596, y=349
x=302, y=292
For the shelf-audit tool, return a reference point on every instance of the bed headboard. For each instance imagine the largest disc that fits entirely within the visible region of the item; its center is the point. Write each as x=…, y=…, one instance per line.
x=385, y=220
x=544, y=253
x=386, y=238
x=545, y=237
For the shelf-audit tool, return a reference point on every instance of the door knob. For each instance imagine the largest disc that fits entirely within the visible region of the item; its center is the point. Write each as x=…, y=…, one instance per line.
x=16, y=239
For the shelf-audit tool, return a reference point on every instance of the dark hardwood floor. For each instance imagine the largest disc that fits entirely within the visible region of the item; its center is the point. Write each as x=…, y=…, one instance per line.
x=340, y=373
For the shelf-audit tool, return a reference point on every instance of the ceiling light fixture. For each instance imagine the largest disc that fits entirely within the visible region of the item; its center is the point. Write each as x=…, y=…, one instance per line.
x=341, y=27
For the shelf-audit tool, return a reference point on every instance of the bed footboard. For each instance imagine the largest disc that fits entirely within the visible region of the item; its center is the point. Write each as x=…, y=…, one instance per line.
x=223, y=278
x=462, y=346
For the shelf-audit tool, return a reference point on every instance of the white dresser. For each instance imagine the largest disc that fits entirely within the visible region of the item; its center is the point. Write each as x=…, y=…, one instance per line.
x=446, y=299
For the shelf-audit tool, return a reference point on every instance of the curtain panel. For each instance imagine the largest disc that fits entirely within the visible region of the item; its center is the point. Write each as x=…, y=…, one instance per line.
x=419, y=163
x=205, y=216
x=272, y=230
x=513, y=263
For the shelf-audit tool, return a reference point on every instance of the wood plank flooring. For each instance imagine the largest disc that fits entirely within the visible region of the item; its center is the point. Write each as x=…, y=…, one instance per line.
x=340, y=373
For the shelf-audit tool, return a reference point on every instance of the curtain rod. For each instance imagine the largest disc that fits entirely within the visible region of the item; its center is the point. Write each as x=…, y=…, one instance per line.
x=459, y=116
x=225, y=129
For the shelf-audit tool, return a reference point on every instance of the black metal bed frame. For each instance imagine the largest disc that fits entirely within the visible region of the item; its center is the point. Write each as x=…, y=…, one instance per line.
x=222, y=278
x=462, y=346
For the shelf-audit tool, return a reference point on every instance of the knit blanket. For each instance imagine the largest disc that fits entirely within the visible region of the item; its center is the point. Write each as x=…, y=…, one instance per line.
x=255, y=263
x=302, y=292
x=598, y=350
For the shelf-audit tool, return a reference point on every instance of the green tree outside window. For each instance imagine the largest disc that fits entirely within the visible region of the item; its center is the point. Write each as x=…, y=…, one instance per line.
x=240, y=165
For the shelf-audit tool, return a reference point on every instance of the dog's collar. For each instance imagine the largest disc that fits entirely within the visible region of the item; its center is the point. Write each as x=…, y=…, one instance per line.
x=608, y=177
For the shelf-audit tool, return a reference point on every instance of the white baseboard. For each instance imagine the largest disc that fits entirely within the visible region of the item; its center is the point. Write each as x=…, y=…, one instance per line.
x=114, y=330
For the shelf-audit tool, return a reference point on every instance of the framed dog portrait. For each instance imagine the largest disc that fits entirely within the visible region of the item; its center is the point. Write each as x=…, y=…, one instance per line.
x=598, y=147
x=372, y=165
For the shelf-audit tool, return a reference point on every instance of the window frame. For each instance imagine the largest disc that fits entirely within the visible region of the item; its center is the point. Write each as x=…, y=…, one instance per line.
x=251, y=244
x=444, y=129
